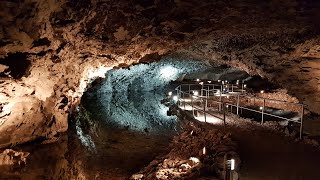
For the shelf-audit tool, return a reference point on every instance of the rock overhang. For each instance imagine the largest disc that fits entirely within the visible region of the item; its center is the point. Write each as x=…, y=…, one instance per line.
x=276, y=40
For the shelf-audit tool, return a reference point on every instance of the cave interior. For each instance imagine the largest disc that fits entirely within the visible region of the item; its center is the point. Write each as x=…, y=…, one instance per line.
x=159, y=89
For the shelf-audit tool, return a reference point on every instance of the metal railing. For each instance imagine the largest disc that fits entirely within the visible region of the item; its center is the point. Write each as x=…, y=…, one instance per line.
x=203, y=108
x=208, y=91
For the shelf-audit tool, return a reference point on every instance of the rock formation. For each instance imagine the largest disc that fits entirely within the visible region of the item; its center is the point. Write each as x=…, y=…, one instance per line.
x=51, y=50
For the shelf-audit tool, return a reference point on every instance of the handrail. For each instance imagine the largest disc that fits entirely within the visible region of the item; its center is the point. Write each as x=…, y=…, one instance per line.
x=203, y=110
x=221, y=102
x=265, y=113
x=277, y=100
x=251, y=96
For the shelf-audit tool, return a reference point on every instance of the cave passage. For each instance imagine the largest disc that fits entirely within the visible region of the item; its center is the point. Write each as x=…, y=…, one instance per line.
x=121, y=122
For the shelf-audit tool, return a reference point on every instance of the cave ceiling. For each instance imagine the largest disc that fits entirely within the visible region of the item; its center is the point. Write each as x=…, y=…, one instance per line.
x=48, y=47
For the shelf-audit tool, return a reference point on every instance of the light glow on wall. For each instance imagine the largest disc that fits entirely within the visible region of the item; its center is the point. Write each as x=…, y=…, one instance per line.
x=168, y=72
x=175, y=98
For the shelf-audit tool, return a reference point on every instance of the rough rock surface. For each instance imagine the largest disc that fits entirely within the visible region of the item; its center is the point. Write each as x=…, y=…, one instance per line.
x=10, y=160
x=199, y=151
x=50, y=50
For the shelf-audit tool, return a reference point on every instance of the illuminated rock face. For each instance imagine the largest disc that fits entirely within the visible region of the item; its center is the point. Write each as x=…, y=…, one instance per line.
x=131, y=98
x=64, y=44
x=154, y=76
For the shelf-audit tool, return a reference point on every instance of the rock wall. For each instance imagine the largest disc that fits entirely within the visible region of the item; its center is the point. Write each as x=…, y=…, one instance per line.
x=59, y=46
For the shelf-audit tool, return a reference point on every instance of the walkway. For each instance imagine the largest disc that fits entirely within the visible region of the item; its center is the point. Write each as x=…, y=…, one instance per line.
x=208, y=99
x=267, y=154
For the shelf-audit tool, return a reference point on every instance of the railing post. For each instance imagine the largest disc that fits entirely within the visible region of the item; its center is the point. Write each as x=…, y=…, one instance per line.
x=201, y=92
x=238, y=104
x=204, y=112
x=224, y=114
x=264, y=103
x=220, y=99
x=184, y=101
x=232, y=87
x=189, y=89
x=207, y=102
x=301, y=123
x=178, y=96
x=192, y=105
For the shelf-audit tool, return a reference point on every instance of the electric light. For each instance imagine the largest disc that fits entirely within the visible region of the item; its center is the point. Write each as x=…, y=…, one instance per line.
x=204, y=150
x=170, y=93
x=232, y=164
x=198, y=80
x=219, y=80
x=261, y=108
x=209, y=81
x=195, y=93
x=244, y=85
x=201, y=83
x=262, y=91
x=175, y=98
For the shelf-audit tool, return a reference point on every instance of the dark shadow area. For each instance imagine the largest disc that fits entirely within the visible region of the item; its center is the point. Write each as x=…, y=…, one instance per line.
x=41, y=42
x=257, y=83
x=18, y=65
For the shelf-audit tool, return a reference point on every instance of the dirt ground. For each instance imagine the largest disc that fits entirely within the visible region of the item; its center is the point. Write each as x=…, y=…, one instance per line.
x=268, y=154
